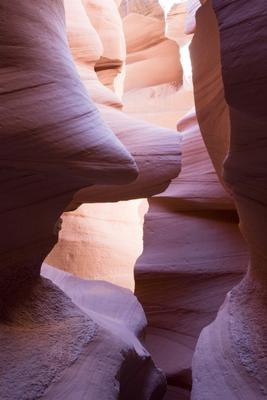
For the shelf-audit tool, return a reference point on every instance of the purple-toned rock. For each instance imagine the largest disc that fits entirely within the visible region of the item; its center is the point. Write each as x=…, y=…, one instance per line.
x=230, y=359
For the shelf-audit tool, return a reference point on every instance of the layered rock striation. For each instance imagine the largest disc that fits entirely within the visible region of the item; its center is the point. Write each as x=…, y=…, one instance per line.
x=193, y=252
x=230, y=359
x=157, y=153
x=54, y=142
x=70, y=141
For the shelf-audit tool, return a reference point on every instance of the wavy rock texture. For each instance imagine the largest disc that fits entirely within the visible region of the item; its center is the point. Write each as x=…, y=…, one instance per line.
x=175, y=23
x=208, y=88
x=230, y=359
x=115, y=364
x=87, y=49
x=149, y=8
x=152, y=59
x=90, y=244
x=178, y=27
x=158, y=159
x=157, y=152
x=156, y=97
x=49, y=345
x=85, y=152
x=193, y=255
x=43, y=335
x=106, y=20
x=193, y=250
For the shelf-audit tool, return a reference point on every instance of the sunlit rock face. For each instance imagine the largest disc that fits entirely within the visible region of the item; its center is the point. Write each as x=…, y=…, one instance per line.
x=154, y=73
x=158, y=158
x=230, y=359
x=208, y=88
x=102, y=241
x=151, y=8
x=175, y=23
x=178, y=27
x=87, y=49
x=106, y=20
x=152, y=59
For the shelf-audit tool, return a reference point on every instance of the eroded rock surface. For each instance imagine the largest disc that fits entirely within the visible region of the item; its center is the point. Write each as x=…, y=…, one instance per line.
x=87, y=49
x=115, y=364
x=43, y=335
x=157, y=153
x=230, y=359
x=90, y=244
x=193, y=255
x=106, y=20
x=211, y=107
x=63, y=144
x=193, y=250
x=152, y=58
x=150, y=8
x=48, y=171
x=90, y=334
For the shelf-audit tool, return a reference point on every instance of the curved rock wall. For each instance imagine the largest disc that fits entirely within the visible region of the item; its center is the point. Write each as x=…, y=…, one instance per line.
x=33, y=85
x=87, y=49
x=102, y=241
x=193, y=250
x=106, y=20
x=158, y=157
x=59, y=151
x=151, y=8
x=53, y=143
x=152, y=58
x=230, y=359
x=211, y=107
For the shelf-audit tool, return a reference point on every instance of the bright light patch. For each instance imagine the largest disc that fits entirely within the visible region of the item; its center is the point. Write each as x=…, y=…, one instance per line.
x=167, y=4
x=184, y=50
x=187, y=65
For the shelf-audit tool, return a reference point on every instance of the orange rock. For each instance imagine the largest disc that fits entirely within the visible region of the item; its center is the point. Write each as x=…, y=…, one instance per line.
x=152, y=59
x=106, y=20
x=87, y=48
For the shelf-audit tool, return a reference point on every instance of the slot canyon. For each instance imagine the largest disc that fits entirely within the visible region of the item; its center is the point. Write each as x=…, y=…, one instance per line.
x=133, y=154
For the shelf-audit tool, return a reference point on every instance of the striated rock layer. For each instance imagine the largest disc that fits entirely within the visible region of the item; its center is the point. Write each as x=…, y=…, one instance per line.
x=150, y=8
x=211, y=108
x=106, y=20
x=193, y=252
x=156, y=151
x=101, y=241
x=115, y=364
x=87, y=49
x=54, y=142
x=42, y=336
x=62, y=145
x=152, y=58
x=193, y=255
x=230, y=359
